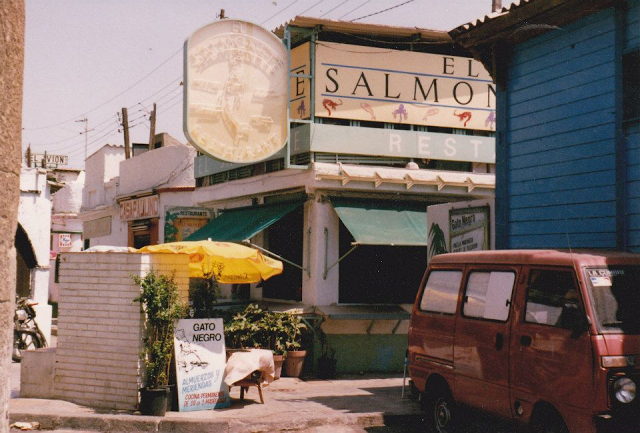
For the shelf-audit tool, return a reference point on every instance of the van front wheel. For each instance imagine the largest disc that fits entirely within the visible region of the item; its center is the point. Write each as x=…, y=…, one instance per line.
x=440, y=411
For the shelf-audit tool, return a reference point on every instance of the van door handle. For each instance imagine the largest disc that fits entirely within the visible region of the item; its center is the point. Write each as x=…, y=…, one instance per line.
x=525, y=340
x=499, y=341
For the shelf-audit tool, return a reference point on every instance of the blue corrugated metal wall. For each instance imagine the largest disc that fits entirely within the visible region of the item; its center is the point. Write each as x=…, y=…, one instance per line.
x=561, y=172
x=632, y=30
x=632, y=138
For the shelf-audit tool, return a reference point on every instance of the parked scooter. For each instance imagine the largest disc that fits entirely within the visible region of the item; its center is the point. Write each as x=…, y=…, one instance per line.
x=26, y=333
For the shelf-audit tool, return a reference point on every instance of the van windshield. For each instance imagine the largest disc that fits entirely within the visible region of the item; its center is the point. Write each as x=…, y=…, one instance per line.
x=615, y=291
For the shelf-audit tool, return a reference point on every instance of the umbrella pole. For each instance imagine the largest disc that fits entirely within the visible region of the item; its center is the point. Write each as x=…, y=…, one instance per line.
x=269, y=253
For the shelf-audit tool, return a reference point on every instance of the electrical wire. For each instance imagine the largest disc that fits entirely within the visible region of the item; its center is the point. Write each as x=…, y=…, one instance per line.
x=278, y=13
x=353, y=10
x=311, y=7
x=333, y=9
x=110, y=100
x=384, y=10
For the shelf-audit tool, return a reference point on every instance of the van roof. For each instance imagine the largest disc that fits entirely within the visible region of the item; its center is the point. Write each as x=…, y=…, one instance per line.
x=579, y=257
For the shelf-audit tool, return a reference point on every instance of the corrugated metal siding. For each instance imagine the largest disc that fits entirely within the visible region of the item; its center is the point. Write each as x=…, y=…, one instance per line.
x=561, y=129
x=632, y=34
x=633, y=187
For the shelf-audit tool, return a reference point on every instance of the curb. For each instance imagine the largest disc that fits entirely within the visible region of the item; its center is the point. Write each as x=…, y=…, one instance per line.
x=138, y=423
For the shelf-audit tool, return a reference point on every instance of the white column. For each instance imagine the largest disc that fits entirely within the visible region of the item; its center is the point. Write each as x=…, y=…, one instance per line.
x=316, y=290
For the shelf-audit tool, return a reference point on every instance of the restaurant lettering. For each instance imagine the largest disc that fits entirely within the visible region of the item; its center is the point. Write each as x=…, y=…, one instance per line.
x=140, y=208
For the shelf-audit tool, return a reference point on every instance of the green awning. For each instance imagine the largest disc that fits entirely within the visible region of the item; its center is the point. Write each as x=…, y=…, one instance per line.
x=373, y=222
x=237, y=225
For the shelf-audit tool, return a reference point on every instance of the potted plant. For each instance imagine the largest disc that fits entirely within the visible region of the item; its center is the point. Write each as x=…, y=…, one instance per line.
x=161, y=305
x=295, y=354
x=276, y=324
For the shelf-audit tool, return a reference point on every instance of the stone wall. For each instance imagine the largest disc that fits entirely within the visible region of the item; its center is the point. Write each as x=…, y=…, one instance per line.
x=100, y=328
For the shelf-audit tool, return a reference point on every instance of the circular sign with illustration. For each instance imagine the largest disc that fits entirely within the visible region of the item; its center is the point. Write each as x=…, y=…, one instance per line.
x=235, y=91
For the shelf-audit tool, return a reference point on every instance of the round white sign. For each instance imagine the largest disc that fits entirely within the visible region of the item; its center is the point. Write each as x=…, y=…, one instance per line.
x=235, y=91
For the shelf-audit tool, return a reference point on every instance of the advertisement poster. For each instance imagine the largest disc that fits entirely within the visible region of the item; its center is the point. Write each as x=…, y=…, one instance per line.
x=469, y=229
x=64, y=240
x=460, y=226
x=181, y=222
x=200, y=361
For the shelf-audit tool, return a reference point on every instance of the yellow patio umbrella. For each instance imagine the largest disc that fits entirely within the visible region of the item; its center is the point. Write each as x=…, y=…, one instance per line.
x=229, y=262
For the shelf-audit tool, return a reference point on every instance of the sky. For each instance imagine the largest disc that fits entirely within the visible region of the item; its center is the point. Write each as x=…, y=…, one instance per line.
x=87, y=59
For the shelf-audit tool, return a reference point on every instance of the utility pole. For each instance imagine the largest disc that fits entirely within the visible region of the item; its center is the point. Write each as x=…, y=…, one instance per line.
x=125, y=129
x=86, y=134
x=152, y=128
x=496, y=5
x=28, y=156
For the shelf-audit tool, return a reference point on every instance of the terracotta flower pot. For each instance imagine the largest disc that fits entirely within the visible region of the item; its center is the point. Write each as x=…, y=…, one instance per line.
x=293, y=363
x=278, y=360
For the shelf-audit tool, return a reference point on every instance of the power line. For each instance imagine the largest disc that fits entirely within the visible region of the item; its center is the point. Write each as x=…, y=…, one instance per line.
x=110, y=100
x=331, y=10
x=281, y=10
x=353, y=10
x=384, y=10
x=312, y=6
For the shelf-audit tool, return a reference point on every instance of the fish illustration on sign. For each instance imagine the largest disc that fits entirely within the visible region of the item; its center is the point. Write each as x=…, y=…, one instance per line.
x=301, y=109
x=465, y=116
x=329, y=105
x=401, y=112
x=366, y=107
x=491, y=120
x=430, y=112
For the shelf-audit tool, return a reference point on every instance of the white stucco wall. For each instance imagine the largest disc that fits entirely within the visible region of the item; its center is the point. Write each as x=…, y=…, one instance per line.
x=34, y=215
x=166, y=167
x=100, y=167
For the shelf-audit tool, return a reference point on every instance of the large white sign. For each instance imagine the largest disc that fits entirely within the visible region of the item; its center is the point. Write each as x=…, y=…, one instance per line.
x=235, y=91
x=200, y=361
x=382, y=85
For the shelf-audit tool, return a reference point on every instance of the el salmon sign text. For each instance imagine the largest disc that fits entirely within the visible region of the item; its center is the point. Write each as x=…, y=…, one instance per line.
x=380, y=85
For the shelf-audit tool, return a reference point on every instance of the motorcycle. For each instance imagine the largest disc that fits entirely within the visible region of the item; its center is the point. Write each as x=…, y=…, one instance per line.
x=26, y=333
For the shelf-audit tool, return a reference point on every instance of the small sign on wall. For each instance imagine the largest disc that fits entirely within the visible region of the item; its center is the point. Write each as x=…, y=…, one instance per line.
x=64, y=240
x=200, y=361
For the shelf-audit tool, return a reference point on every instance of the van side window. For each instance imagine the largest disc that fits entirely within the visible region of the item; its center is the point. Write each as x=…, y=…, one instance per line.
x=441, y=292
x=488, y=295
x=552, y=296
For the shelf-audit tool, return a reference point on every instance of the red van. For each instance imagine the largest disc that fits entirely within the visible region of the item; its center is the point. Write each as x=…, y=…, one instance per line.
x=545, y=337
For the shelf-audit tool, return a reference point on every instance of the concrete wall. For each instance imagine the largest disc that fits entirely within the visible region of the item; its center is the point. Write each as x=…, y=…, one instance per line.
x=100, y=328
x=12, y=20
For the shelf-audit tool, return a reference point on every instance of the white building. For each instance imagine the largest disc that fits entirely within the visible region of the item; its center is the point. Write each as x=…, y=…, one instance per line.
x=66, y=227
x=134, y=202
x=32, y=242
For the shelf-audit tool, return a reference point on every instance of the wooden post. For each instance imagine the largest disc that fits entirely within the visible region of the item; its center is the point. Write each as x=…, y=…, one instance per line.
x=125, y=128
x=152, y=128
